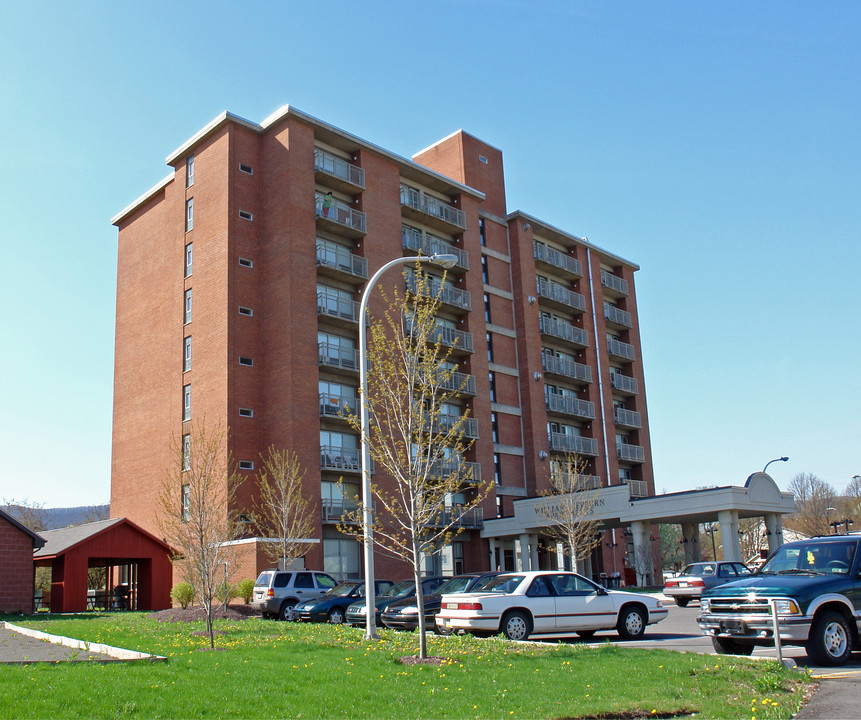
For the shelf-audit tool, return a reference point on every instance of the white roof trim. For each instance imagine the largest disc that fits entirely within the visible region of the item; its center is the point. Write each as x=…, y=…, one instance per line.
x=451, y=135
x=120, y=216
x=206, y=130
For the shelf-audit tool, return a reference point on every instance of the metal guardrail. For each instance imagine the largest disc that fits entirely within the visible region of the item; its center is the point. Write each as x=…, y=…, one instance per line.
x=557, y=402
x=563, y=330
x=614, y=282
x=339, y=406
x=337, y=167
x=618, y=316
x=628, y=418
x=624, y=383
x=561, y=294
x=415, y=239
x=553, y=257
x=336, y=356
x=445, y=292
x=573, y=443
x=340, y=458
x=330, y=302
x=332, y=255
x=620, y=349
x=340, y=213
x=567, y=368
x=630, y=453
x=410, y=197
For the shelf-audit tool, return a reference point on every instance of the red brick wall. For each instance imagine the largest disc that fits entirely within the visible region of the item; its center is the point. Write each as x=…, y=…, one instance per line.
x=16, y=570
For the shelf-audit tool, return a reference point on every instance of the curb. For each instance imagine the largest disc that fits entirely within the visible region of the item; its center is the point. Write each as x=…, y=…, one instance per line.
x=114, y=652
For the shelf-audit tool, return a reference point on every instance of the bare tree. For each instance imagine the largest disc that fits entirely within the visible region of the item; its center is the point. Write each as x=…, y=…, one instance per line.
x=416, y=437
x=569, y=508
x=672, y=553
x=813, y=498
x=751, y=537
x=193, y=513
x=282, y=513
x=30, y=514
x=97, y=512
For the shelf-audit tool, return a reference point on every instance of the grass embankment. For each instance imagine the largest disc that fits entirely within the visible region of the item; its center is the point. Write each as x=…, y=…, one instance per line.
x=266, y=669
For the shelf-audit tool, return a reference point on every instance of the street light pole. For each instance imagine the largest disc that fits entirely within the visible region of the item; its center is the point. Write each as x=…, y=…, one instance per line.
x=780, y=459
x=446, y=261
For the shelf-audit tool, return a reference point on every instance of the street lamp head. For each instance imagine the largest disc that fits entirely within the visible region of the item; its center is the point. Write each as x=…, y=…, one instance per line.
x=785, y=458
x=446, y=261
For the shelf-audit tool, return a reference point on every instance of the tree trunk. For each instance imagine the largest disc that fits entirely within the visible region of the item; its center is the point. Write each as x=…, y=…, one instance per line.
x=423, y=650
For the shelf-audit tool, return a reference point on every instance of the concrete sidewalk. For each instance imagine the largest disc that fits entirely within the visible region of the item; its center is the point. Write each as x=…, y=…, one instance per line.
x=20, y=649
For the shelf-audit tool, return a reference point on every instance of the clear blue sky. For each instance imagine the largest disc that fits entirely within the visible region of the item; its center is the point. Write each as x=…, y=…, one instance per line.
x=715, y=144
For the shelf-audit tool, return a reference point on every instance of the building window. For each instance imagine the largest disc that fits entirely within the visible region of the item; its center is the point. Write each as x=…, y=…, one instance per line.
x=185, y=512
x=494, y=427
x=186, y=354
x=246, y=464
x=247, y=361
x=245, y=262
x=186, y=452
x=482, y=159
x=497, y=469
x=186, y=402
x=246, y=412
x=189, y=214
x=188, y=259
x=186, y=313
x=486, y=308
x=492, y=379
x=189, y=171
x=499, y=512
x=485, y=277
x=246, y=168
x=342, y=558
x=245, y=311
x=489, y=338
x=482, y=231
x=245, y=215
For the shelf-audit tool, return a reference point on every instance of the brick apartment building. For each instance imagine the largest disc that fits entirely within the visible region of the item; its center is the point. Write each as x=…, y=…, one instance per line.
x=237, y=297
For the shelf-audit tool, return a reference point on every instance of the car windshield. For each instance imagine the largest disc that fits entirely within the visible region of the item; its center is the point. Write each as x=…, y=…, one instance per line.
x=812, y=557
x=399, y=589
x=343, y=589
x=264, y=579
x=503, y=584
x=699, y=569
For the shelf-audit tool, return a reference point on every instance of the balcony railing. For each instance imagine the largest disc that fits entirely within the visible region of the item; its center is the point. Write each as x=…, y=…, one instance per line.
x=624, y=383
x=459, y=518
x=335, y=356
x=460, y=382
x=577, y=483
x=446, y=293
x=339, y=406
x=415, y=239
x=620, y=349
x=469, y=428
x=443, y=468
x=428, y=205
x=341, y=214
x=332, y=255
x=458, y=340
x=338, y=168
x=556, y=402
x=630, y=453
x=340, y=458
x=627, y=418
x=334, y=510
x=573, y=443
x=566, y=368
x=637, y=488
x=330, y=303
x=563, y=330
x=561, y=294
x=617, y=316
x=614, y=283
x=553, y=257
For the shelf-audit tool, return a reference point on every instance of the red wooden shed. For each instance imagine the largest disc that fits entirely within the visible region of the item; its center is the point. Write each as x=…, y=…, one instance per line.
x=17, y=543
x=138, y=571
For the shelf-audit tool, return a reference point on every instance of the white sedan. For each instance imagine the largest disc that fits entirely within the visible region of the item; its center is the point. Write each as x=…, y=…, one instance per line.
x=520, y=604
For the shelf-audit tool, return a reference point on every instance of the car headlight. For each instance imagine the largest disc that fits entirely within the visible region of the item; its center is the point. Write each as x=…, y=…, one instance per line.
x=704, y=605
x=786, y=607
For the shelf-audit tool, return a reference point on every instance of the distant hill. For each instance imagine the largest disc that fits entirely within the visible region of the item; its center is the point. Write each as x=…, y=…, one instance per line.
x=64, y=517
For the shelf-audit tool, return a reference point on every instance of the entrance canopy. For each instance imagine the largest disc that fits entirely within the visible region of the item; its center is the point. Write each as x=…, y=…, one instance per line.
x=137, y=566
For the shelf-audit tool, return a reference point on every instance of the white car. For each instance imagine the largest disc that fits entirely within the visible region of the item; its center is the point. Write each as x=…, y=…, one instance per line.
x=523, y=603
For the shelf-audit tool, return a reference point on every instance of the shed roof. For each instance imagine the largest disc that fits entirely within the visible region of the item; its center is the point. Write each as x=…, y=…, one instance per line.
x=63, y=539
x=38, y=540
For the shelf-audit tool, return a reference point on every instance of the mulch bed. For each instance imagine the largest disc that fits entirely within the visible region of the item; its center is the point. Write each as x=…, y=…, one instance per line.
x=191, y=614
x=416, y=660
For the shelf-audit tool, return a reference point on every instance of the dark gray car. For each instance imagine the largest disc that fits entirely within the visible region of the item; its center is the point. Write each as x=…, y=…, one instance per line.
x=690, y=583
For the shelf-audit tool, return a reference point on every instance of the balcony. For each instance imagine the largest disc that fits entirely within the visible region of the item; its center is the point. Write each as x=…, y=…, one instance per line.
x=339, y=217
x=616, y=317
x=340, y=459
x=335, y=306
x=575, y=482
x=555, y=259
x=627, y=418
x=637, y=488
x=567, y=405
x=613, y=284
x=624, y=384
x=459, y=518
x=620, y=349
x=563, y=330
x=335, y=357
x=442, y=468
x=338, y=406
x=337, y=172
x=455, y=297
x=566, y=368
x=563, y=442
x=457, y=340
x=334, y=510
x=432, y=211
x=336, y=261
x=459, y=382
x=630, y=453
x=414, y=239
x=469, y=428
x=556, y=294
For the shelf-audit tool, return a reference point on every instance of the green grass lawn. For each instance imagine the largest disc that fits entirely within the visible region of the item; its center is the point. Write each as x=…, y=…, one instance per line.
x=267, y=669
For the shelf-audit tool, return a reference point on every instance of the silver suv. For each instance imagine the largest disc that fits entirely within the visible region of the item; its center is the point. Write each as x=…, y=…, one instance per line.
x=276, y=592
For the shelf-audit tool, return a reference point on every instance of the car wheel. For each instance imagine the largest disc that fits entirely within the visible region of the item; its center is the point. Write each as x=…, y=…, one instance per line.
x=830, y=641
x=682, y=602
x=445, y=632
x=632, y=623
x=336, y=615
x=515, y=625
x=726, y=646
x=286, y=611
x=585, y=634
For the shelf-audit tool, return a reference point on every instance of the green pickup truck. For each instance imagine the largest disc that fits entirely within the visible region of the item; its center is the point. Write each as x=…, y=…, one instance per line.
x=815, y=585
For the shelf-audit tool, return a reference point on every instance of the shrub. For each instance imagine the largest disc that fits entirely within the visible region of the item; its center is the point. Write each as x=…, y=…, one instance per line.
x=243, y=589
x=182, y=593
